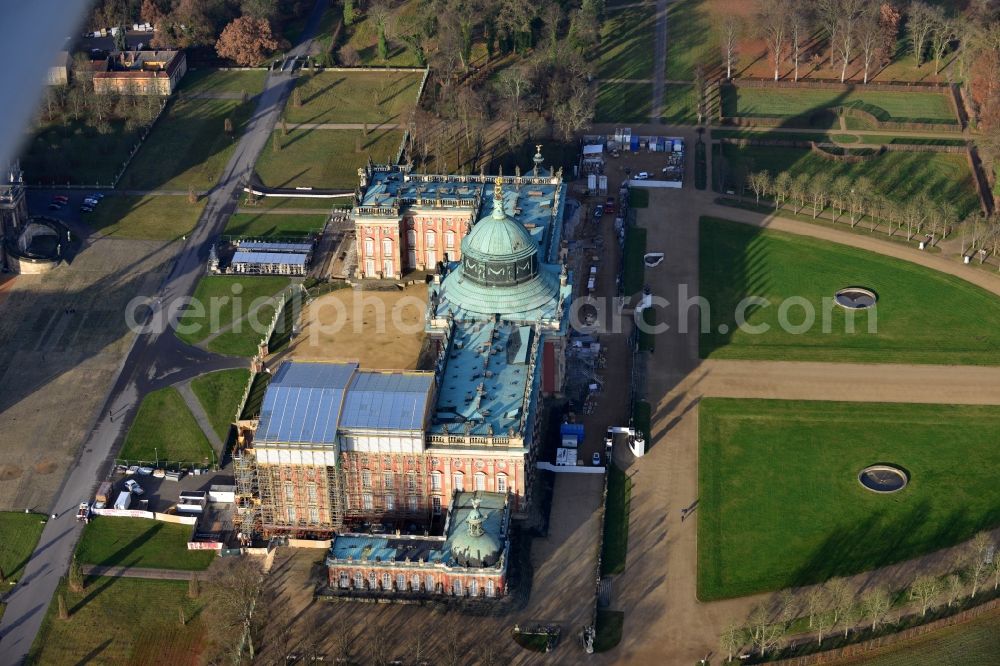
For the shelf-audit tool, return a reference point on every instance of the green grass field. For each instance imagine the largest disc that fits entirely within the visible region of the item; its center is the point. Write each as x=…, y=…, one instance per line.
x=123, y=621
x=219, y=393
x=634, y=269
x=974, y=643
x=623, y=102
x=692, y=39
x=609, y=629
x=188, y=146
x=355, y=97
x=140, y=542
x=256, y=225
x=900, y=176
x=145, y=217
x=292, y=203
x=164, y=429
x=781, y=506
x=738, y=260
x=626, y=50
x=223, y=81
x=616, y=521
x=19, y=534
x=77, y=153
x=324, y=158
x=363, y=37
x=216, y=295
x=902, y=106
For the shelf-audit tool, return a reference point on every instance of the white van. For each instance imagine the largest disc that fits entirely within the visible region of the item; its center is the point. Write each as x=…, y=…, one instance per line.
x=124, y=500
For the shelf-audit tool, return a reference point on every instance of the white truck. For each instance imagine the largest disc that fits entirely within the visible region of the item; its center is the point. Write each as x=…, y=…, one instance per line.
x=124, y=500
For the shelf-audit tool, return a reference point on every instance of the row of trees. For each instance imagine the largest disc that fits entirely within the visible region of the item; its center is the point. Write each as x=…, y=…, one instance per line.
x=859, y=31
x=854, y=199
x=838, y=605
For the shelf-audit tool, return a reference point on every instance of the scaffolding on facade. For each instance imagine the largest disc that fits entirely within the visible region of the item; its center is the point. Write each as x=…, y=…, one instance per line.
x=377, y=489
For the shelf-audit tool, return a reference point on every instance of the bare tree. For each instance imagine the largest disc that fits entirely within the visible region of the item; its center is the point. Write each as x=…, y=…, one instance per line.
x=731, y=640
x=825, y=622
x=925, y=590
x=919, y=25
x=979, y=553
x=876, y=603
x=764, y=634
x=799, y=190
x=841, y=596
x=782, y=186
x=773, y=22
x=869, y=38
x=760, y=183
x=828, y=19
x=816, y=602
x=995, y=572
x=732, y=27
x=954, y=587
x=799, y=27
x=839, y=189
x=850, y=616
x=513, y=84
x=235, y=591
x=942, y=36
x=845, y=44
x=819, y=188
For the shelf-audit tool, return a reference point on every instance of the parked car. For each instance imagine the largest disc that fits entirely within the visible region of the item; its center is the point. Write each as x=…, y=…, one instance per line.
x=596, y=459
x=642, y=175
x=90, y=202
x=133, y=487
x=95, y=195
x=145, y=471
x=55, y=205
x=83, y=512
x=609, y=206
x=61, y=198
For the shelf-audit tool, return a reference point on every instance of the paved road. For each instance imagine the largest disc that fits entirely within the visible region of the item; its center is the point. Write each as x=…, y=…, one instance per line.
x=155, y=359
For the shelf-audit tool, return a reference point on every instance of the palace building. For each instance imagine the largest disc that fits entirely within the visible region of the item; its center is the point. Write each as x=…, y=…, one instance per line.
x=337, y=446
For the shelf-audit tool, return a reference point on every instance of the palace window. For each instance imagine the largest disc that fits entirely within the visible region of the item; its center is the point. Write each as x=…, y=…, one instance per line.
x=311, y=492
x=429, y=583
x=415, y=582
x=344, y=580
x=369, y=246
x=386, y=247
x=386, y=581
x=289, y=492
x=372, y=580
x=436, y=504
x=412, y=502
x=359, y=580
x=501, y=483
x=490, y=587
x=366, y=479
x=473, y=587
x=480, y=481
x=456, y=587
x=292, y=517
x=411, y=482
x=367, y=502
x=431, y=239
x=436, y=481
x=449, y=239
x=387, y=481
x=458, y=482
x=313, y=515
x=400, y=582
x=390, y=503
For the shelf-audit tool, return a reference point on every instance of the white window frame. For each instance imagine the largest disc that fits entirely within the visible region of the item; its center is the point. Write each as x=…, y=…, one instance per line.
x=491, y=588
x=458, y=482
x=345, y=580
x=386, y=581
x=436, y=481
x=401, y=582
x=501, y=481
x=367, y=501
x=479, y=481
x=390, y=503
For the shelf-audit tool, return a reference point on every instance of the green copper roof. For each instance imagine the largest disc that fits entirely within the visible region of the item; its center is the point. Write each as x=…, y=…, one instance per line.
x=497, y=237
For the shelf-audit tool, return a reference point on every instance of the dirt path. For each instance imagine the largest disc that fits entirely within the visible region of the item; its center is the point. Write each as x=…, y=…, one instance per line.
x=136, y=572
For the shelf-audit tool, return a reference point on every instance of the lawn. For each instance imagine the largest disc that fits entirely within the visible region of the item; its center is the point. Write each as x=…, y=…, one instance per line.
x=140, y=542
x=123, y=621
x=188, y=146
x=219, y=393
x=257, y=225
x=609, y=629
x=363, y=37
x=616, y=521
x=627, y=40
x=900, y=176
x=324, y=158
x=355, y=97
x=256, y=399
x=971, y=644
x=623, y=102
x=223, y=81
x=77, y=153
x=216, y=295
x=145, y=217
x=692, y=39
x=781, y=506
x=165, y=430
x=738, y=260
x=19, y=533
x=634, y=269
x=930, y=107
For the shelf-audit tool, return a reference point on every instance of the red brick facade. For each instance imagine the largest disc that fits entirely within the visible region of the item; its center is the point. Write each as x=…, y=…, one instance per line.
x=416, y=577
x=416, y=242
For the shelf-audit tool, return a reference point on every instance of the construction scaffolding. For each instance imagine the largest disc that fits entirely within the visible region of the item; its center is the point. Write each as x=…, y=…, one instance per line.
x=248, y=517
x=383, y=491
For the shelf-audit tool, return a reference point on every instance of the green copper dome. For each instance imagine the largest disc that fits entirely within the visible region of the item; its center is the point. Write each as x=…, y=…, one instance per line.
x=475, y=546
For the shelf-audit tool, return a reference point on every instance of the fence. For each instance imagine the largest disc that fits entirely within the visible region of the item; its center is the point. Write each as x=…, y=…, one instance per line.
x=149, y=515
